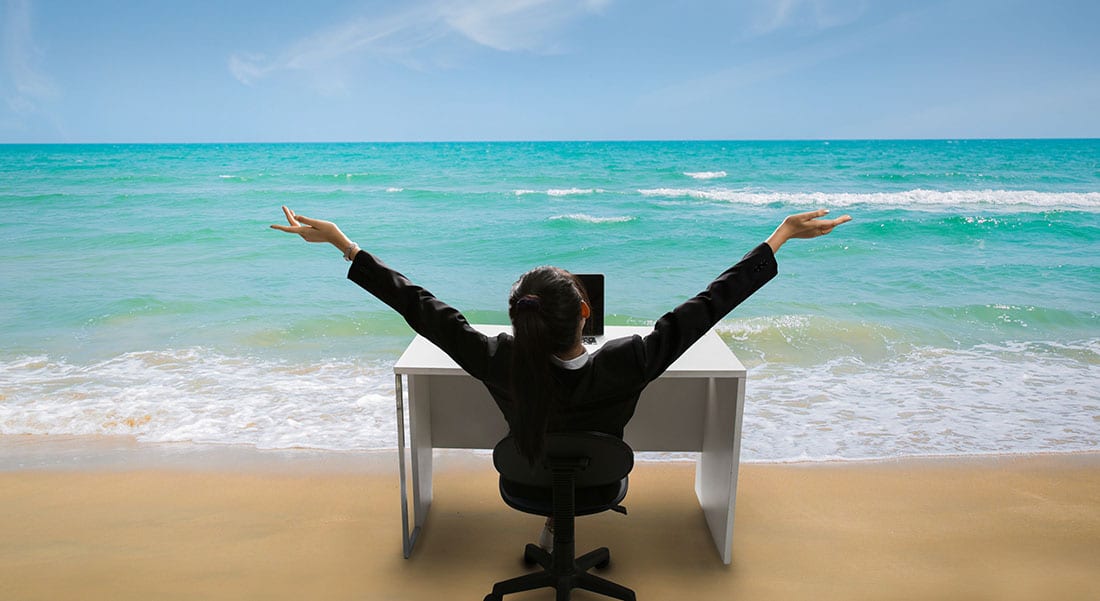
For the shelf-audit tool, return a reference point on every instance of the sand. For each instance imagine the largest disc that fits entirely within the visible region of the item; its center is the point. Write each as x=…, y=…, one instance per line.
x=246, y=525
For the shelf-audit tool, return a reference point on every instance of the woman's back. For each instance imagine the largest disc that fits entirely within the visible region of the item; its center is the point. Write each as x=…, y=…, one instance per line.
x=600, y=394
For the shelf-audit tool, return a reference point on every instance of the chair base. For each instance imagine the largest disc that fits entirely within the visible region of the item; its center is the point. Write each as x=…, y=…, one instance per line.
x=563, y=583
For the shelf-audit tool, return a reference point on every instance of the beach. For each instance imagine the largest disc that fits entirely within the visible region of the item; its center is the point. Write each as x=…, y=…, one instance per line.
x=121, y=520
x=198, y=404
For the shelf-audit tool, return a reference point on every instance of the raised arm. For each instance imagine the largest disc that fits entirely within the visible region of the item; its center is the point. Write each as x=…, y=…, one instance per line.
x=428, y=316
x=680, y=328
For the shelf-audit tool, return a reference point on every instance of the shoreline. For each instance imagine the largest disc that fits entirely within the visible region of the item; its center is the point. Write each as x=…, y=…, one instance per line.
x=28, y=452
x=174, y=523
x=32, y=452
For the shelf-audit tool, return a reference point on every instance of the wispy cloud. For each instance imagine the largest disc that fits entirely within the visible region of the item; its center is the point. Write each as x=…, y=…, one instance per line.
x=395, y=34
x=511, y=25
x=27, y=86
x=503, y=25
x=816, y=15
x=741, y=78
x=736, y=81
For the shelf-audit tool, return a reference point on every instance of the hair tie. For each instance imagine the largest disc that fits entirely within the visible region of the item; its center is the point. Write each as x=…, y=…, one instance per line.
x=529, y=301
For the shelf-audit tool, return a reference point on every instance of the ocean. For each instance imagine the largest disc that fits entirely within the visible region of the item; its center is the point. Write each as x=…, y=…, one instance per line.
x=958, y=313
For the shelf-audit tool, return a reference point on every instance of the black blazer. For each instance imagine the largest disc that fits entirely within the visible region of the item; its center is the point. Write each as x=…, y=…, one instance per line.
x=602, y=395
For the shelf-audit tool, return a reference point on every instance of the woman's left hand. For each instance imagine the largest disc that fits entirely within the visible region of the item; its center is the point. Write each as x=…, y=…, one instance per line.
x=313, y=230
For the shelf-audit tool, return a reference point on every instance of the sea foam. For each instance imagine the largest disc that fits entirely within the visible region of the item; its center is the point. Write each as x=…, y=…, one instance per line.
x=583, y=218
x=559, y=191
x=705, y=174
x=987, y=399
x=196, y=395
x=1012, y=199
x=922, y=400
x=571, y=191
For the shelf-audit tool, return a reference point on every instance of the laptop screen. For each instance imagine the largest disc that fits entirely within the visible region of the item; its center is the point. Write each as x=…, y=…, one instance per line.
x=593, y=285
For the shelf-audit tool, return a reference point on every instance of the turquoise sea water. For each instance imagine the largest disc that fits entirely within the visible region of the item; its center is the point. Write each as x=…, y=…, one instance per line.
x=143, y=293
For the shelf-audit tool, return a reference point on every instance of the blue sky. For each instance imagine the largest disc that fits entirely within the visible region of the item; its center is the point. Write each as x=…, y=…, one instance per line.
x=225, y=71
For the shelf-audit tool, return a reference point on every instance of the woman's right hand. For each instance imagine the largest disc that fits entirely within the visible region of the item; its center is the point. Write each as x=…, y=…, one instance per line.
x=804, y=225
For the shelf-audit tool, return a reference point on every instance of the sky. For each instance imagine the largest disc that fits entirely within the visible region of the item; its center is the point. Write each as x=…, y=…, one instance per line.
x=442, y=70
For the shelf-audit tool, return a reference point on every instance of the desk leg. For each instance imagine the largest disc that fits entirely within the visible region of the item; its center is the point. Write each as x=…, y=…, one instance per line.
x=716, y=470
x=420, y=432
x=408, y=539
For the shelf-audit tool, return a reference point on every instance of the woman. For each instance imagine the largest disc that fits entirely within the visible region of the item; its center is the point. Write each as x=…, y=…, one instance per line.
x=541, y=376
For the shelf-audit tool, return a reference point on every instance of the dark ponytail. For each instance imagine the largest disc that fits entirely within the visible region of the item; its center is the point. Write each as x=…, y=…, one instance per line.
x=545, y=309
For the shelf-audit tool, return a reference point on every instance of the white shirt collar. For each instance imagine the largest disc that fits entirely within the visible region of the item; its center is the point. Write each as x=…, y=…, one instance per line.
x=572, y=364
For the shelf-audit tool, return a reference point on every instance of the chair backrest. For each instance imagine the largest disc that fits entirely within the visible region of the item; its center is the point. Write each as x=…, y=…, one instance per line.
x=596, y=459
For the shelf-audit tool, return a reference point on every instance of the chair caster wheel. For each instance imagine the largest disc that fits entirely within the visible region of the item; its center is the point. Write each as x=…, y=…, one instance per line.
x=529, y=558
x=492, y=597
x=603, y=564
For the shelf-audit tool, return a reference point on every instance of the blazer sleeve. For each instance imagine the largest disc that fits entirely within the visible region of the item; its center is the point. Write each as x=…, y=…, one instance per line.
x=428, y=316
x=680, y=328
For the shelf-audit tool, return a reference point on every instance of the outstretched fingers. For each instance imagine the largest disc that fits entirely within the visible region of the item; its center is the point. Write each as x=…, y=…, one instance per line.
x=311, y=230
x=827, y=225
x=808, y=216
x=290, y=217
x=295, y=222
x=811, y=225
x=805, y=225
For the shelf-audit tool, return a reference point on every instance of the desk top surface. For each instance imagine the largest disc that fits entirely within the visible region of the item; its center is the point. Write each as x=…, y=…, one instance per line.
x=709, y=357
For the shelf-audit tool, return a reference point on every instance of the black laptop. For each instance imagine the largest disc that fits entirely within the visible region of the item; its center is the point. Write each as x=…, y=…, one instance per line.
x=593, y=328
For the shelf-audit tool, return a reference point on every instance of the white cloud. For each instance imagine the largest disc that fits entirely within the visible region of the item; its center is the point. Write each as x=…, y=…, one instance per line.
x=248, y=69
x=504, y=25
x=511, y=25
x=29, y=86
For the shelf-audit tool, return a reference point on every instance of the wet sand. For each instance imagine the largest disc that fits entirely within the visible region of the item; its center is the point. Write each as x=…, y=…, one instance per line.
x=235, y=524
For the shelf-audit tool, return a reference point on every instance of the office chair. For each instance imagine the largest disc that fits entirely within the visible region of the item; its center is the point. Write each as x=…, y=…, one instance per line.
x=582, y=473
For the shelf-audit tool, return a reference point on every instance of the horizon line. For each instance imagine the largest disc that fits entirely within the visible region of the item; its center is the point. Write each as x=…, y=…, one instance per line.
x=552, y=141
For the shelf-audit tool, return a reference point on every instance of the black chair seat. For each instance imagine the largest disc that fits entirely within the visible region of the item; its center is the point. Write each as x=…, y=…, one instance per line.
x=540, y=501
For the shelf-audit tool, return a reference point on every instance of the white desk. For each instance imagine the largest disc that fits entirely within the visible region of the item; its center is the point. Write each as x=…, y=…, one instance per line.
x=696, y=405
